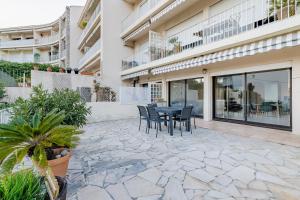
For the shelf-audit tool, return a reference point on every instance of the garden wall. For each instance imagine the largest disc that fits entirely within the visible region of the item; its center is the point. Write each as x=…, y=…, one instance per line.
x=14, y=92
x=105, y=111
x=54, y=80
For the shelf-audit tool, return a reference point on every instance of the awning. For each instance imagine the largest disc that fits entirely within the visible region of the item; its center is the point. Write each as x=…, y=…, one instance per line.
x=274, y=43
x=136, y=32
x=166, y=10
x=137, y=74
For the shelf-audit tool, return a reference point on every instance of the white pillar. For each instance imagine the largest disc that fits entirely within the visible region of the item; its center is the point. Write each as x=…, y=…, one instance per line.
x=296, y=96
x=207, y=103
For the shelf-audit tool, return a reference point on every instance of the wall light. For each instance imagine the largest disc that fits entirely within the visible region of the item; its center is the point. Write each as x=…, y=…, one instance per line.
x=204, y=71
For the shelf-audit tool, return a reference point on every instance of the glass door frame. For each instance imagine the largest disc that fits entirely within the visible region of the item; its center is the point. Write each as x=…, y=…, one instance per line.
x=185, y=92
x=245, y=121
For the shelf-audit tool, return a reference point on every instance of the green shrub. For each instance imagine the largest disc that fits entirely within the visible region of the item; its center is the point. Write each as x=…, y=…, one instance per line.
x=23, y=185
x=2, y=91
x=42, y=101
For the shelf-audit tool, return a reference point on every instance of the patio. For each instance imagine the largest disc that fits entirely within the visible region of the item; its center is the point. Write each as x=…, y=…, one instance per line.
x=116, y=161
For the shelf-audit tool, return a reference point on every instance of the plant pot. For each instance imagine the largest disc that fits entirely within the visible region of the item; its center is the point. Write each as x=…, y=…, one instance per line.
x=69, y=70
x=36, y=68
x=62, y=182
x=49, y=69
x=62, y=70
x=59, y=166
x=76, y=71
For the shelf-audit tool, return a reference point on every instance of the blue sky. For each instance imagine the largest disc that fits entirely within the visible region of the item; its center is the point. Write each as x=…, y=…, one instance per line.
x=32, y=12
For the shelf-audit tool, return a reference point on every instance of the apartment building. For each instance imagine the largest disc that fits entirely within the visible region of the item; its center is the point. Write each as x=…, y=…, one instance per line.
x=101, y=48
x=47, y=43
x=232, y=60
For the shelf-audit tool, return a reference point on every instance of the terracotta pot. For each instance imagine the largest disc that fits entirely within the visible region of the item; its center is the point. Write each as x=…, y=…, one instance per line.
x=59, y=166
x=62, y=70
x=49, y=69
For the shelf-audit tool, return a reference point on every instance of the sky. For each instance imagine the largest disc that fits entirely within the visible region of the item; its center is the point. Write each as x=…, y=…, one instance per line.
x=32, y=12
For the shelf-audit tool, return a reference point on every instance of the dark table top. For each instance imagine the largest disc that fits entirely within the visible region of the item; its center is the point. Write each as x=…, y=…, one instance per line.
x=169, y=110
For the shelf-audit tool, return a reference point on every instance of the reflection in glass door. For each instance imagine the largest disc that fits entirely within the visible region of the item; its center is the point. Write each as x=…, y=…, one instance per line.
x=269, y=97
x=177, y=93
x=194, y=95
x=229, y=97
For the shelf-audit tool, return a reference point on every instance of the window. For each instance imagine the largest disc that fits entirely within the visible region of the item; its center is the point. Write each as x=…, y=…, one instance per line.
x=258, y=97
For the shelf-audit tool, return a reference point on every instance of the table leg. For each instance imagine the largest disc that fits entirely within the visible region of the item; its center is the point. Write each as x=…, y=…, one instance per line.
x=171, y=124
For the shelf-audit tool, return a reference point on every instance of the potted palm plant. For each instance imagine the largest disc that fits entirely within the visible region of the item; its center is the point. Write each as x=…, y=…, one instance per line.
x=39, y=140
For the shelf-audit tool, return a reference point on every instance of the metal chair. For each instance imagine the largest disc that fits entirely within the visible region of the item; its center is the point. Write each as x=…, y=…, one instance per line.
x=185, y=116
x=156, y=118
x=143, y=116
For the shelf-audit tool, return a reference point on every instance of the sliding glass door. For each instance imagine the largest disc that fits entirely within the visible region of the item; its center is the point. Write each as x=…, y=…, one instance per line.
x=187, y=93
x=259, y=97
x=230, y=101
x=269, y=97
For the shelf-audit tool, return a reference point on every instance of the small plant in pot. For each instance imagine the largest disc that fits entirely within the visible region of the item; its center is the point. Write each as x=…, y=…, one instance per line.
x=76, y=70
x=62, y=70
x=49, y=69
x=69, y=70
x=42, y=138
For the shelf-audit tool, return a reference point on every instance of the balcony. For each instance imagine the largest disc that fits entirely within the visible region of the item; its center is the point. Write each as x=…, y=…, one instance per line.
x=16, y=43
x=137, y=13
x=47, y=40
x=136, y=60
x=51, y=59
x=243, y=17
x=90, y=54
x=90, y=24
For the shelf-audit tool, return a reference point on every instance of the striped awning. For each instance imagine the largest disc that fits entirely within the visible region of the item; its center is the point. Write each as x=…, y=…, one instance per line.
x=137, y=74
x=137, y=31
x=166, y=10
x=274, y=43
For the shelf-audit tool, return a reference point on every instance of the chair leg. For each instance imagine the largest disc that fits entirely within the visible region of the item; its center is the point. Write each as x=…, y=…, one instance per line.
x=140, y=124
x=156, y=125
x=174, y=124
x=195, y=122
x=180, y=128
x=159, y=126
x=190, y=124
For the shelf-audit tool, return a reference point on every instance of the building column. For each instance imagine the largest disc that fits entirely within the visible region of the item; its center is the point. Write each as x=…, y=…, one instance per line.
x=296, y=96
x=207, y=100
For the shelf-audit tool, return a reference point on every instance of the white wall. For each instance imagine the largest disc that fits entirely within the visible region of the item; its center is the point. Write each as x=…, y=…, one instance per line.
x=15, y=92
x=105, y=111
x=51, y=80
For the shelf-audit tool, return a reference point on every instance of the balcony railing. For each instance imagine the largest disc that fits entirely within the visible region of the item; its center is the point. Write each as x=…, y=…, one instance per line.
x=16, y=43
x=241, y=18
x=139, y=12
x=47, y=40
x=90, y=22
x=90, y=53
x=136, y=60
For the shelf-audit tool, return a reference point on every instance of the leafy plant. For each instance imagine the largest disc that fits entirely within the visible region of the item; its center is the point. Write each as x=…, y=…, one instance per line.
x=42, y=101
x=25, y=185
x=21, y=138
x=281, y=4
x=2, y=91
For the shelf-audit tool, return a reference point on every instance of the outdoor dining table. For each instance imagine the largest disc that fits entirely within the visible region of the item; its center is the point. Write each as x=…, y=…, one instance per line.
x=171, y=112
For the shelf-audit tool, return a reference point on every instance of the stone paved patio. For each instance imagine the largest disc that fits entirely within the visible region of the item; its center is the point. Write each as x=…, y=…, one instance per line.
x=115, y=161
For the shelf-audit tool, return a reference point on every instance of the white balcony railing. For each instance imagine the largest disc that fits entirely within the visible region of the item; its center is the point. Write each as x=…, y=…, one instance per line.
x=139, y=12
x=47, y=40
x=63, y=53
x=16, y=43
x=91, y=53
x=90, y=23
x=136, y=60
x=245, y=16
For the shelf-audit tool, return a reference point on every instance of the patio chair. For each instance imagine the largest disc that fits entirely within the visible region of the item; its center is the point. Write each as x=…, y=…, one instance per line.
x=185, y=116
x=143, y=116
x=156, y=118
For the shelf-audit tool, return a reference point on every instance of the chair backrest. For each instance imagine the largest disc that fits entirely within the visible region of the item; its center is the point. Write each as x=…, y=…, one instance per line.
x=143, y=111
x=152, y=105
x=186, y=112
x=152, y=113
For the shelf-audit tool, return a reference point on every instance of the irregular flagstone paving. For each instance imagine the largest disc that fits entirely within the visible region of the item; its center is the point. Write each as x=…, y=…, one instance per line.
x=115, y=161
